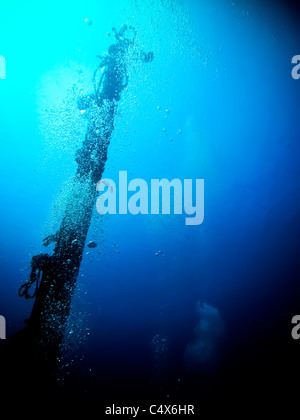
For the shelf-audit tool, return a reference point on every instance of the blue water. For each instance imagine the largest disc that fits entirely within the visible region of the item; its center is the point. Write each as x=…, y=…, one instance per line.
x=217, y=103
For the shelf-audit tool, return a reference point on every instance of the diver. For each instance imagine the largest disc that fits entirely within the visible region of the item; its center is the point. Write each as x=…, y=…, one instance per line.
x=114, y=78
x=92, y=156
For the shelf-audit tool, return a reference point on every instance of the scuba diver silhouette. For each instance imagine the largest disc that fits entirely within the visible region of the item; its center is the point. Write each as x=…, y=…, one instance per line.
x=114, y=78
x=107, y=93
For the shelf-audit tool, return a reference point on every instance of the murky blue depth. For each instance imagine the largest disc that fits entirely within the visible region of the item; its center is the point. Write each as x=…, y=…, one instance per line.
x=157, y=301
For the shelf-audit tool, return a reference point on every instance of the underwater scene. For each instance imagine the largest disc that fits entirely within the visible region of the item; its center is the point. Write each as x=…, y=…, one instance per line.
x=150, y=202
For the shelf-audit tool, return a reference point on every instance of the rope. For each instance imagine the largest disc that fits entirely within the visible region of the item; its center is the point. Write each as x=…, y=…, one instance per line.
x=38, y=264
x=23, y=291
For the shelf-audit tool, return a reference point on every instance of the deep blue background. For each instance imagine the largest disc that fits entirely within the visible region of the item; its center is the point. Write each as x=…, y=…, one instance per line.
x=222, y=69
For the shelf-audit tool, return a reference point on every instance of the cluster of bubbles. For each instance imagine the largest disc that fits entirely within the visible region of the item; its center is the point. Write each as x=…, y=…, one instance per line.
x=164, y=27
x=159, y=345
x=61, y=123
x=170, y=25
x=76, y=333
x=166, y=115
